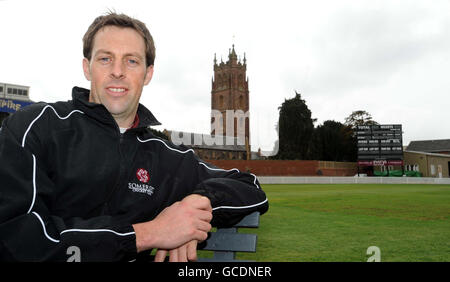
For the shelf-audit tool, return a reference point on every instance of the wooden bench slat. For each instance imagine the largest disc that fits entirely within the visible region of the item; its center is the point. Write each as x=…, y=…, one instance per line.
x=225, y=242
x=250, y=221
x=234, y=242
x=221, y=256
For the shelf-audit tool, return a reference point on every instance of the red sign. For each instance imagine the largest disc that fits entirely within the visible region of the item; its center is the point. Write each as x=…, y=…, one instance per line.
x=365, y=163
x=379, y=162
x=395, y=162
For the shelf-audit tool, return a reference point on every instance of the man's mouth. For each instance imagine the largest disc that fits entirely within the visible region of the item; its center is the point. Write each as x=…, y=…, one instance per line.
x=116, y=91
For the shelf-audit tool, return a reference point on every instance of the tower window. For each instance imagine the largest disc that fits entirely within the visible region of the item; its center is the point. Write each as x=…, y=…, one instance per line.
x=241, y=102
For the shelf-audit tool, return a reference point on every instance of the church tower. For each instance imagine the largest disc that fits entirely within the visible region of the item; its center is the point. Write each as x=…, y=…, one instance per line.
x=230, y=95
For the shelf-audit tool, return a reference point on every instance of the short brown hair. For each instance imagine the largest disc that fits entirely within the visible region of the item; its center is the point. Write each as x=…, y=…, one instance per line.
x=119, y=20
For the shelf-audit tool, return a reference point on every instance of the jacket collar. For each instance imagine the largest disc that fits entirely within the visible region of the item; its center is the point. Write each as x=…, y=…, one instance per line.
x=80, y=98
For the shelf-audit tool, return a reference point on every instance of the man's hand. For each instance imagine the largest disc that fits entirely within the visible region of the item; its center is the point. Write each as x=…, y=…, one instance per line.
x=185, y=253
x=176, y=225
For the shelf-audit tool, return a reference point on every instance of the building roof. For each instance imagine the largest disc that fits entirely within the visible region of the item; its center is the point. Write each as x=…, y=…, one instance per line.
x=428, y=154
x=442, y=145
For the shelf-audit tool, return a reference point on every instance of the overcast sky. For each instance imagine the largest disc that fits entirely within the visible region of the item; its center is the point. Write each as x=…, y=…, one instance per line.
x=390, y=58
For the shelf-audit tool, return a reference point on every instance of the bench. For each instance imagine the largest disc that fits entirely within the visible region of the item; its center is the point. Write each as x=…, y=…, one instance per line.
x=226, y=242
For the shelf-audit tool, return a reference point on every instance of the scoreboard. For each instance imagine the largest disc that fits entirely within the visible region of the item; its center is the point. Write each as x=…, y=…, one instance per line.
x=380, y=144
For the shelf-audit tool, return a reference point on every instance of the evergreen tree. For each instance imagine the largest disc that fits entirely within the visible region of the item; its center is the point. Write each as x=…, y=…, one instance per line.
x=333, y=141
x=295, y=129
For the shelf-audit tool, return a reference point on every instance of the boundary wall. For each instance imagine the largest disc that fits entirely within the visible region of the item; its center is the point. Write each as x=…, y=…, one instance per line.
x=288, y=167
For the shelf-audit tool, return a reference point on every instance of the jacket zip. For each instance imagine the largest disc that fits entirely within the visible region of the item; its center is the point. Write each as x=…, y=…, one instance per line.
x=119, y=176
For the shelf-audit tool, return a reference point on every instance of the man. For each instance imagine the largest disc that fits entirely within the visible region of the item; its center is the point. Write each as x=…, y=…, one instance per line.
x=88, y=176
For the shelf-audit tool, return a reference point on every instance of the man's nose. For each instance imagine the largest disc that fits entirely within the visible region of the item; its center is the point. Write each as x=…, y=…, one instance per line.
x=118, y=70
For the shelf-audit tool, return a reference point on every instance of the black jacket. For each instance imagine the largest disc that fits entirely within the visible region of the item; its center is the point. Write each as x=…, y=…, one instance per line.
x=69, y=178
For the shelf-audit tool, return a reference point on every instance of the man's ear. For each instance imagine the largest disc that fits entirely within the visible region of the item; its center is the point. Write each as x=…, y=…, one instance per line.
x=148, y=75
x=86, y=69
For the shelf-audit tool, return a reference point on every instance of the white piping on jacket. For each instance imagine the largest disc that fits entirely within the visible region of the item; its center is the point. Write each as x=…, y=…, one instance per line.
x=242, y=207
x=76, y=230
x=216, y=169
x=97, y=230
x=167, y=146
x=34, y=157
x=34, y=183
x=43, y=227
x=107, y=230
x=42, y=112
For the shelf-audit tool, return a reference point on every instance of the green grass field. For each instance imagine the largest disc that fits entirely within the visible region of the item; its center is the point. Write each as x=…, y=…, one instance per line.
x=339, y=222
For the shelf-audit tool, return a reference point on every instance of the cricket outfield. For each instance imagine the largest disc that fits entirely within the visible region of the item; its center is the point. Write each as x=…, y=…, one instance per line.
x=339, y=222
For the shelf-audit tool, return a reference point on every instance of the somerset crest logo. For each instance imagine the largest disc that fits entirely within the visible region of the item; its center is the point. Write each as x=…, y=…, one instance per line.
x=142, y=175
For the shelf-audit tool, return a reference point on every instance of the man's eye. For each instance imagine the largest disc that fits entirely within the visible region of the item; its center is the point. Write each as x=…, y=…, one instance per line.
x=132, y=62
x=104, y=60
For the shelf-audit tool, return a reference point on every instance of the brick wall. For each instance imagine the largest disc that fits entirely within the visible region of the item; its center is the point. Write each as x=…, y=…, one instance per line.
x=289, y=168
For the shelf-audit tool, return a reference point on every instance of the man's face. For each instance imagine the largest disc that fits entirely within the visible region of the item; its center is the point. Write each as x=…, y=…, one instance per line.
x=117, y=71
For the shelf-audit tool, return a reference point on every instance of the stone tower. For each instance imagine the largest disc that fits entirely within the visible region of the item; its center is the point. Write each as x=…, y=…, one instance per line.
x=230, y=97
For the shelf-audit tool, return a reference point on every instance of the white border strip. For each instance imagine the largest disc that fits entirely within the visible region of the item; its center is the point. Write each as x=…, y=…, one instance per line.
x=350, y=180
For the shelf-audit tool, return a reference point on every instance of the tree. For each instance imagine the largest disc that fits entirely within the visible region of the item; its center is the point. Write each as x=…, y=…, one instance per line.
x=359, y=118
x=356, y=118
x=295, y=129
x=333, y=141
x=159, y=134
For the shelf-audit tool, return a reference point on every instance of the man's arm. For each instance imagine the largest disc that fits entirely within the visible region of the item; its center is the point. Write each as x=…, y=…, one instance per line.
x=29, y=231
x=232, y=194
x=176, y=225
